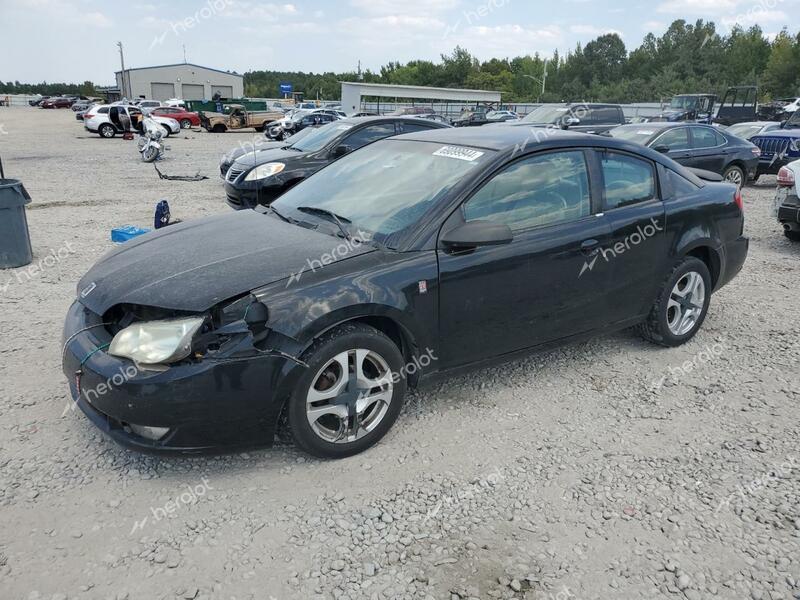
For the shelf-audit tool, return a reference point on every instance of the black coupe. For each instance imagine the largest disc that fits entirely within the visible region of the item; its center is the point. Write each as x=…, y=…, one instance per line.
x=410, y=258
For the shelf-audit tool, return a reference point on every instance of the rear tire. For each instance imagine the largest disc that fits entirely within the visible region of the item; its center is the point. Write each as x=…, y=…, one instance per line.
x=320, y=420
x=185, y=123
x=735, y=175
x=218, y=128
x=106, y=130
x=792, y=235
x=681, y=306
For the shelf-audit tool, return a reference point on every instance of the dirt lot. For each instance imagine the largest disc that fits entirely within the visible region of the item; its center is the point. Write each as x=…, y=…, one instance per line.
x=567, y=475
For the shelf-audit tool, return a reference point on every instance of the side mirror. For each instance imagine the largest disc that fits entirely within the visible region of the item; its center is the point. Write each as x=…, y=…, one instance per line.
x=568, y=122
x=663, y=148
x=478, y=233
x=341, y=150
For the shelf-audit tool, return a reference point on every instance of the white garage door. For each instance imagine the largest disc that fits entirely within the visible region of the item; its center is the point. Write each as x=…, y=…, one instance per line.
x=162, y=91
x=226, y=91
x=192, y=91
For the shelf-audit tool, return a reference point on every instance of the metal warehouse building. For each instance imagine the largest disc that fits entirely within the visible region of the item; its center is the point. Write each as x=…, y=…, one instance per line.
x=184, y=80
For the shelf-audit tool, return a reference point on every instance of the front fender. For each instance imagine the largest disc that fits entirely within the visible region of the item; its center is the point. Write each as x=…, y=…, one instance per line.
x=399, y=286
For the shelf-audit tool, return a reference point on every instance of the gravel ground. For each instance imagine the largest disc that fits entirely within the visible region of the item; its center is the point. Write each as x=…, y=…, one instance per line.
x=609, y=469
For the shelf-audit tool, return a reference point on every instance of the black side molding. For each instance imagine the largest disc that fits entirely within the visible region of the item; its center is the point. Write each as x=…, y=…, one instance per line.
x=706, y=175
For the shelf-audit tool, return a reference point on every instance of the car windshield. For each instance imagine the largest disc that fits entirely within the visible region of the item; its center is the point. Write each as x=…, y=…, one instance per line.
x=385, y=191
x=639, y=134
x=794, y=120
x=547, y=114
x=685, y=102
x=744, y=130
x=320, y=137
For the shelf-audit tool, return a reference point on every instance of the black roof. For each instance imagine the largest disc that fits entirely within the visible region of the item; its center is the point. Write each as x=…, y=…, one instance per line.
x=386, y=119
x=498, y=136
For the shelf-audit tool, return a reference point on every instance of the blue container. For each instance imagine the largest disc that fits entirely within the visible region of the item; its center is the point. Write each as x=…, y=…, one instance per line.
x=126, y=232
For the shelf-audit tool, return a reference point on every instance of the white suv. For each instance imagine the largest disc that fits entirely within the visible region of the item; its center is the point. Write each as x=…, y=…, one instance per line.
x=101, y=122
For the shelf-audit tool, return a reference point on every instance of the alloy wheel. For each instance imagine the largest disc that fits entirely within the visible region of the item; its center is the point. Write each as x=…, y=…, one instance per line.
x=734, y=176
x=686, y=302
x=349, y=396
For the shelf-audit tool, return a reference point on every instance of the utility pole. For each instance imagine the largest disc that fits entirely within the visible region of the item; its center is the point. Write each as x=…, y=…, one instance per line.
x=125, y=91
x=184, y=54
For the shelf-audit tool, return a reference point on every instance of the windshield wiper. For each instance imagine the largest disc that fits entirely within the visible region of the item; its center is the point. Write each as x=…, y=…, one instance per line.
x=280, y=216
x=314, y=210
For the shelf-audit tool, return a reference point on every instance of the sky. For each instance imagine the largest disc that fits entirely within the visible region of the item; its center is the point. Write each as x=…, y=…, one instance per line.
x=75, y=40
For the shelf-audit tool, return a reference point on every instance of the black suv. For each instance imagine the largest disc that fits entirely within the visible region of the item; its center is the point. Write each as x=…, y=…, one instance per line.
x=586, y=118
x=260, y=177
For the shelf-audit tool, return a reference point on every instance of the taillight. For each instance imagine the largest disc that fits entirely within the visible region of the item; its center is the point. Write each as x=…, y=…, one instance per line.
x=786, y=177
x=737, y=197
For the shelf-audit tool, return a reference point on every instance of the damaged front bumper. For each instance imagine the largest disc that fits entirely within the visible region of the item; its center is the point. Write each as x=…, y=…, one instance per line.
x=203, y=406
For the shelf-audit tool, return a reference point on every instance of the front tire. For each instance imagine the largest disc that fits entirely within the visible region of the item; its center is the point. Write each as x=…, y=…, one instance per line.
x=106, y=130
x=681, y=305
x=734, y=175
x=792, y=234
x=186, y=124
x=167, y=131
x=150, y=154
x=350, y=395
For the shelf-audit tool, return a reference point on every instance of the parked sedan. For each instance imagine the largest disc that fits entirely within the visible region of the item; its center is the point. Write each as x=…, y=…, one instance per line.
x=259, y=178
x=747, y=131
x=61, y=102
x=419, y=255
x=583, y=117
x=698, y=146
x=787, y=200
x=186, y=118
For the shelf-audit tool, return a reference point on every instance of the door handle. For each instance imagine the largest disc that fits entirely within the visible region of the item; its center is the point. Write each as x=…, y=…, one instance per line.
x=590, y=247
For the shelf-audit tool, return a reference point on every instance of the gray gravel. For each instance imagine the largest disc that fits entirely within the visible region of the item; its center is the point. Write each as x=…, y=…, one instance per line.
x=609, y=469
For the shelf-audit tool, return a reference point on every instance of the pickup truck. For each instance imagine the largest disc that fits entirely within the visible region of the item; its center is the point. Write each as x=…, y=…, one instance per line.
x=238, y=117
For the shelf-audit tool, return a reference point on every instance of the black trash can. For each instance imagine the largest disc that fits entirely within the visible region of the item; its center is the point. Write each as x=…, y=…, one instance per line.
x=15, y=242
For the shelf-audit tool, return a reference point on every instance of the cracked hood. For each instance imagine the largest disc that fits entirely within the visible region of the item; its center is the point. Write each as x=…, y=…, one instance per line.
x=195, y=265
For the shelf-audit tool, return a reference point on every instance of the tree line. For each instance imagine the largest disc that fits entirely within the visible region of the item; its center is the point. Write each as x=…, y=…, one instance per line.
x=686, y=58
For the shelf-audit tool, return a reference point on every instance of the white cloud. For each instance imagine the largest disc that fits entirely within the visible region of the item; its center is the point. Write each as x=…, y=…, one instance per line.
x=591, y=30
x=403, y=7
x=697, y=7
x=96, y=19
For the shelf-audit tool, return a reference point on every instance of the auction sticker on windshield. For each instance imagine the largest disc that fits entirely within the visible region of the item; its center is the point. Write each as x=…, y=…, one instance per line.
x=458, y=152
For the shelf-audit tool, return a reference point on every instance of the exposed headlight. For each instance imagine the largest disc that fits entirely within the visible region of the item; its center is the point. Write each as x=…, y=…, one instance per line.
x=264, y=171
x=156, y=342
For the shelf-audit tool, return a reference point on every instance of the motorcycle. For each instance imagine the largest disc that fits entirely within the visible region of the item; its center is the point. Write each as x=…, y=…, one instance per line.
x=150, y=145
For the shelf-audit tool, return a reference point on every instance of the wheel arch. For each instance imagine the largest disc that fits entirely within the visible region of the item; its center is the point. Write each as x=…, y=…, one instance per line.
x=402, y=337
x=704, y=251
